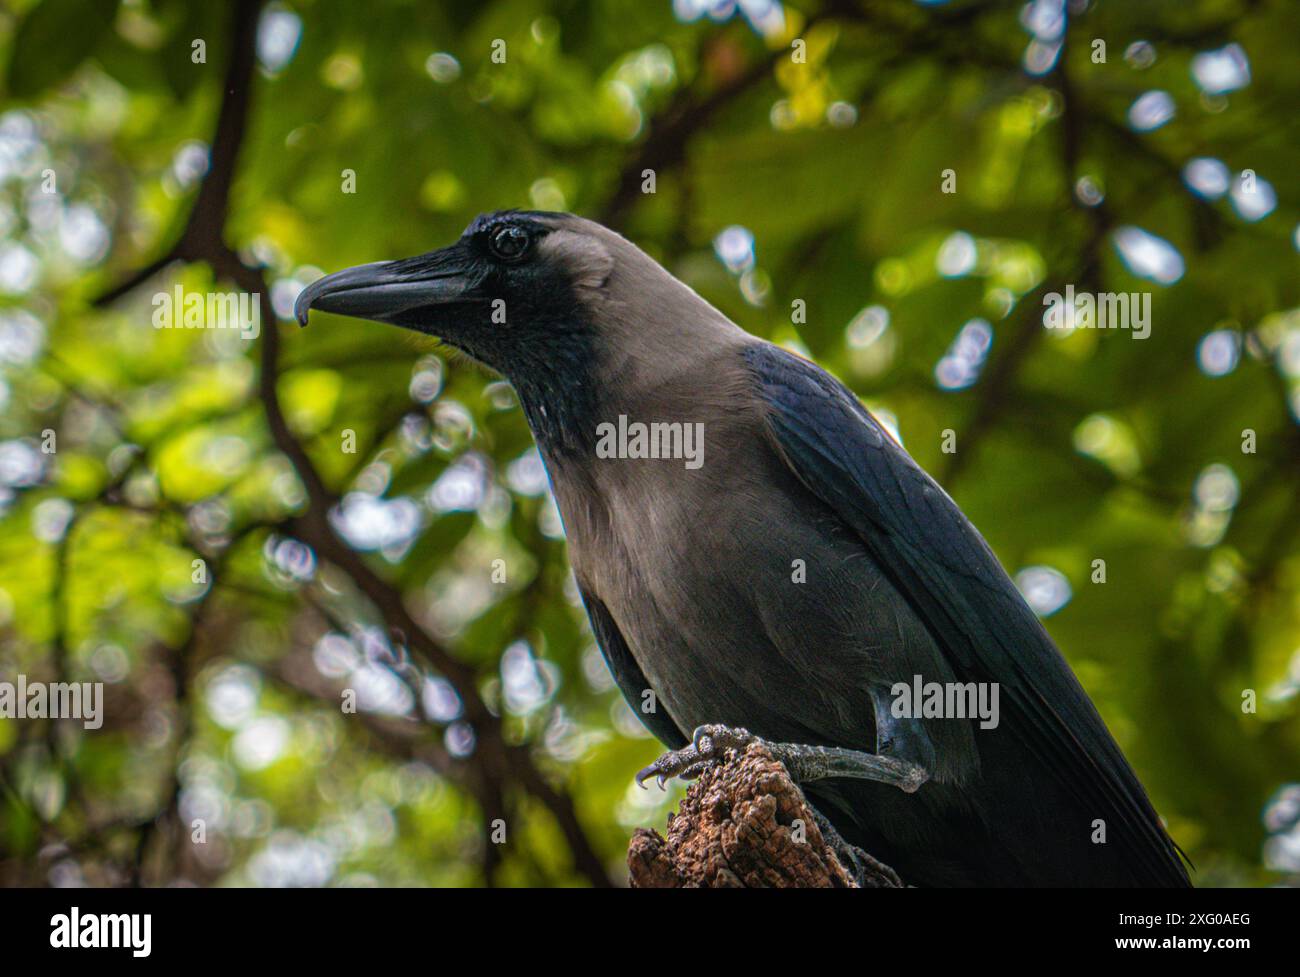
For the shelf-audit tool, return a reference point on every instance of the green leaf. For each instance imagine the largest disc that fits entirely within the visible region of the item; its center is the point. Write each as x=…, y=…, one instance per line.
x=52, y=41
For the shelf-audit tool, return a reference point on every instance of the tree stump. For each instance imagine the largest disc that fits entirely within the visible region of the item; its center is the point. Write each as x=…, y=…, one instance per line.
x=745, y=824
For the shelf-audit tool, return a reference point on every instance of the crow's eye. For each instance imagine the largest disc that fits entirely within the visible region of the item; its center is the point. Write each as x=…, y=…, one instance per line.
x=509, y=243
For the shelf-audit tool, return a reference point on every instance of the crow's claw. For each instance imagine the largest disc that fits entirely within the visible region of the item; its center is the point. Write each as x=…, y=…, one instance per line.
x=670, y=765
x=708, y=746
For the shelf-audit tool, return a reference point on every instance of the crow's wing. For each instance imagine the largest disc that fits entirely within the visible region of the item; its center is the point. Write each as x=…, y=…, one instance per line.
x=627, y=673
x=947, y=573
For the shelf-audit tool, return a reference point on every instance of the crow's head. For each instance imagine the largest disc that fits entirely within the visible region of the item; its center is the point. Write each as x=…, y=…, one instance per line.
x=562, y=307
x=516, y=291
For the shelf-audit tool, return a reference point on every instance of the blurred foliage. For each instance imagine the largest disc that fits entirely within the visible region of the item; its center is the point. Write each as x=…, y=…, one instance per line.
x=777, y=180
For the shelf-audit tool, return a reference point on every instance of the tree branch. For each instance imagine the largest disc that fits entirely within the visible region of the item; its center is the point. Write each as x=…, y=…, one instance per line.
x=671, y=132
x=203, y=240
x=745, y=824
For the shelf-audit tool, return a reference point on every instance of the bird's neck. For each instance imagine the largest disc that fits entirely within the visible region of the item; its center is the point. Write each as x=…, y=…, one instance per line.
x=560, y=402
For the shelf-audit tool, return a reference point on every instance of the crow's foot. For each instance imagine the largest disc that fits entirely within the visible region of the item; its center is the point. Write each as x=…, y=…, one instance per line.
x=709, y=744
x=866, y=871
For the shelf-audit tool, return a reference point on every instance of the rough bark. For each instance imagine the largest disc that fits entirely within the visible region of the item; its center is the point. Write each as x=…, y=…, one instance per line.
x=744, y=824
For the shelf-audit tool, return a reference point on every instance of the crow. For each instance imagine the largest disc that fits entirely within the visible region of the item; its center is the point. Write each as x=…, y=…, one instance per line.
x=761, y=561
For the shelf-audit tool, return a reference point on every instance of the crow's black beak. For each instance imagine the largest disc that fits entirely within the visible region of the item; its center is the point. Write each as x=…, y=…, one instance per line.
x=388, y=291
